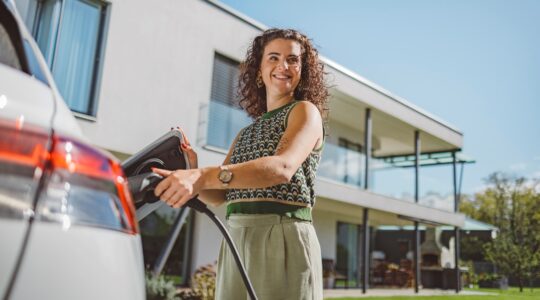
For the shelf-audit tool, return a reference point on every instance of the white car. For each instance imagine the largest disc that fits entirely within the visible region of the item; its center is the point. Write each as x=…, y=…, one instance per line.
x=67, y=222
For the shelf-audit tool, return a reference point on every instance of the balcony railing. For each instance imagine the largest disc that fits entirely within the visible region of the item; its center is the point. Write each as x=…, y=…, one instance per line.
x=342, y=165
x=348, y=167
x=392, y=181
x=436, y=187
x=435, y=183
x=224, y=123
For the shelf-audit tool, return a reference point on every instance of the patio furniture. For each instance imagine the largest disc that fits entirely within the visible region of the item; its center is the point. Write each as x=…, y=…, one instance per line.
x=329, y=270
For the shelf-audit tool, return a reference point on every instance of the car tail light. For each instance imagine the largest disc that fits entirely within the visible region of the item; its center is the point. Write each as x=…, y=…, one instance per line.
x=82, y=185
x=85, y=186
x=23, y=156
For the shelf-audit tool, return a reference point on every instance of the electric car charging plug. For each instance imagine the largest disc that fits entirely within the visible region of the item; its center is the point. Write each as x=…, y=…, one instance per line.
x=142, y=188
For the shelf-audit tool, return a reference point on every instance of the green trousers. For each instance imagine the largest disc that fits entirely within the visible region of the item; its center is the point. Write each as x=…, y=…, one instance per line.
x=281, y=255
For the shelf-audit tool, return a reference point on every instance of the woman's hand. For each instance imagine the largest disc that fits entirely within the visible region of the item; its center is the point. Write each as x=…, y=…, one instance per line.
x=178, y=186
x=188, y=150
x=181, y=185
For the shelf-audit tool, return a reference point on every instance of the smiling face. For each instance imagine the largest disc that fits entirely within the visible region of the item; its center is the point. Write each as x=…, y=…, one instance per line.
x=281, y=67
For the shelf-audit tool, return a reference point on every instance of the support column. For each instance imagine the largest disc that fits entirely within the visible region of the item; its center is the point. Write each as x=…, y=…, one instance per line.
x=365, y=252
x=365, y=219
x=417, y=276
x=188, y=249
x=174, y=232
x=367, y=147
x=456, y=229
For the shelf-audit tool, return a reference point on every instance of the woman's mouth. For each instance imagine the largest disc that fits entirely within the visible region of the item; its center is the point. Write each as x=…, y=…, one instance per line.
x=281, y=77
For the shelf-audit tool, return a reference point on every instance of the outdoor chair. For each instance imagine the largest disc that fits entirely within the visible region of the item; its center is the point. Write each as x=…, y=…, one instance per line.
x=329, y=268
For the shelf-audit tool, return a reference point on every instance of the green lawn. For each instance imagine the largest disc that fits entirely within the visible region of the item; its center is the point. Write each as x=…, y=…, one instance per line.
x=510, y=294
x=177, y=280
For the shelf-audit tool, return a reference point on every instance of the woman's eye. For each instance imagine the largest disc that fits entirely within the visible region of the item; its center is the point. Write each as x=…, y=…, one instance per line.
x=273, y=58
x=293, y=60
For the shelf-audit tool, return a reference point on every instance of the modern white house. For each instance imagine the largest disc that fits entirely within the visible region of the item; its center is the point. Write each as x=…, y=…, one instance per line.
x=131, y=70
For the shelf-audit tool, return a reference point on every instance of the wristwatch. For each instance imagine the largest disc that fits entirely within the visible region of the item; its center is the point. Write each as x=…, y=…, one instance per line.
x=225, y=175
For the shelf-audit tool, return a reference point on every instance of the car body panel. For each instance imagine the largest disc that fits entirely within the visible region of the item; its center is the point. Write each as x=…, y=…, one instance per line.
x=111, y=272
x=25, y=99
x=12, y=233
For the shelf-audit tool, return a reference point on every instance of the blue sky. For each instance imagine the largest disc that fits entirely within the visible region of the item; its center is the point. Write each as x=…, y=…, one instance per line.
x=473, y=63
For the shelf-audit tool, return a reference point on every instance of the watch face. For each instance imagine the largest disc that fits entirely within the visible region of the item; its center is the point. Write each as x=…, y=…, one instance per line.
x=225, y=176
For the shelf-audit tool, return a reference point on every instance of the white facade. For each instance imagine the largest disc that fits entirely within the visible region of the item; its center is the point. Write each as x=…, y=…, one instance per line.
x=157, y=74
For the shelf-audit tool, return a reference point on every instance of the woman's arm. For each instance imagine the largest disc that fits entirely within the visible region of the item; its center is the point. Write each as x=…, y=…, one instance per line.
x=302, y=135
x=216, y=197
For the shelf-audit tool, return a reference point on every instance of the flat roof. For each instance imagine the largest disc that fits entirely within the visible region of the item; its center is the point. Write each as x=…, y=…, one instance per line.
x=257, y=25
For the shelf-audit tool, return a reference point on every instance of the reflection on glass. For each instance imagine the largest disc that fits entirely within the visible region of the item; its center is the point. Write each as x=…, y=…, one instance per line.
x=348, y=254
x=154, y=233
x=435, y=182
x=392, y=181
x=341, y=164
x=391, y=262
x=224, y=123
x=436, y=187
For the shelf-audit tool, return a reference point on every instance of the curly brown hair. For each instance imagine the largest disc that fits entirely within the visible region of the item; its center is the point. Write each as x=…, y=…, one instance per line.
x=312, y=86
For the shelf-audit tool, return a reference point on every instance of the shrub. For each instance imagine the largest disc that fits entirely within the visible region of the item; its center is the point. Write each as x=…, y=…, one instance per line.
x=203, y=284
x=159, y=288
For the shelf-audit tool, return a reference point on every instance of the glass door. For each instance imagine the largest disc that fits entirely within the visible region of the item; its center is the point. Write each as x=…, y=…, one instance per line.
x=348, y=254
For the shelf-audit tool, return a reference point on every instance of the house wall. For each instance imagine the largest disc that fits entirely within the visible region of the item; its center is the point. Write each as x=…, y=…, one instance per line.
x=325, y=223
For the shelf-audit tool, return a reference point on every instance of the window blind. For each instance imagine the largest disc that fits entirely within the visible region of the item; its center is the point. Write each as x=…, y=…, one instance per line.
x=226, y=118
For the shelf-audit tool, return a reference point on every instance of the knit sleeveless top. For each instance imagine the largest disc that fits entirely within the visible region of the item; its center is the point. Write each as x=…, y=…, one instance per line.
x=294, y=199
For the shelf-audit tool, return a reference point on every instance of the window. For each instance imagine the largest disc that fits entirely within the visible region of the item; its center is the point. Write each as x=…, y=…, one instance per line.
x=354, y=160
x=349, y=252
x=226, y=118
x=70, y=34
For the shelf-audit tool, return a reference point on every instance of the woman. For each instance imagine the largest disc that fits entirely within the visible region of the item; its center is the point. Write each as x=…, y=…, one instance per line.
x=267, y=178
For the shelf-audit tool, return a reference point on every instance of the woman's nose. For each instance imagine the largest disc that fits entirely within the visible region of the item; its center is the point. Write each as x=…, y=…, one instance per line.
x=284, y=65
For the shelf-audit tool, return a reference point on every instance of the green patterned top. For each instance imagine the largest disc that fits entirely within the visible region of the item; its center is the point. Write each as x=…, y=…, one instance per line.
x=294, y=199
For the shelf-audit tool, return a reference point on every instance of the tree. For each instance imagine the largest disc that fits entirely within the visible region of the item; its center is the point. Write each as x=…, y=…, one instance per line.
x=512, y=205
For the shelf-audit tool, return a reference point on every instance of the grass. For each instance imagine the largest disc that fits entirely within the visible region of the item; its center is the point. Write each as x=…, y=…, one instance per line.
x=177, y=280
x=510, y=294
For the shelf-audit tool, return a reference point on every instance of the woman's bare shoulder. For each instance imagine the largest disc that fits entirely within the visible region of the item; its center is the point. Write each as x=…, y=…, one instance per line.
x=306, y=108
